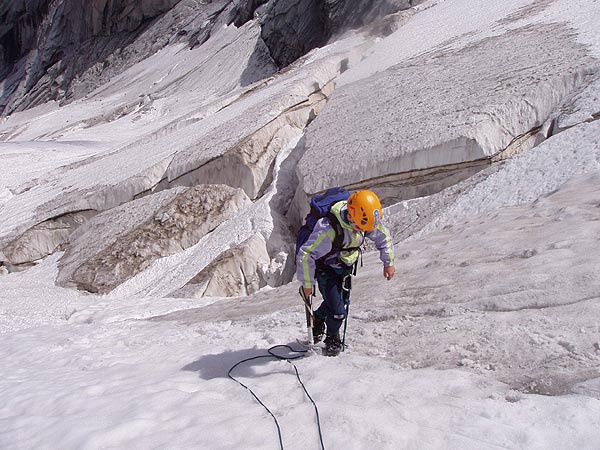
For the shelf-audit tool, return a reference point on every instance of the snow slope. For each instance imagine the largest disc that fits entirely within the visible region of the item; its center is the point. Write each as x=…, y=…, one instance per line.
x=446, y=355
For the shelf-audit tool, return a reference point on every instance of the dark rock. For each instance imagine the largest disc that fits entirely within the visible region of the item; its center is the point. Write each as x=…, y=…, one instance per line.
x=291, y=28
x=44, y=45
x=64, y=49
x=20, y=20
x=244, y=11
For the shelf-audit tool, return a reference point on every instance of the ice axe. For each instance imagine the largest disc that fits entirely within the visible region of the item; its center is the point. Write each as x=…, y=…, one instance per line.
x=310, y=316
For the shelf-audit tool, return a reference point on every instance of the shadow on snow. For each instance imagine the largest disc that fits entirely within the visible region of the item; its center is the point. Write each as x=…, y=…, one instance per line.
x=251, y=363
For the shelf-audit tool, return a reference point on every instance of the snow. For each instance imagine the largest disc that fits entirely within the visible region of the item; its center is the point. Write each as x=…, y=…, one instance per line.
x=451, y=105
x=523, y=179
x=456, y=23
x=15, y=156
x=586, y=106
x=444, y=20
x=90, y=372
x=432, y=363
x=195, y=128
x=488, y=336
x=171, y=273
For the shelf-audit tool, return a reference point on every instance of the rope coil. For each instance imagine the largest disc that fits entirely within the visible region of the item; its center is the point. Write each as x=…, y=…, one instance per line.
x=288, y=359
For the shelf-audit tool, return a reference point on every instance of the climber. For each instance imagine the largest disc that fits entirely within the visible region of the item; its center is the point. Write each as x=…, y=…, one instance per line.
x=330, y=252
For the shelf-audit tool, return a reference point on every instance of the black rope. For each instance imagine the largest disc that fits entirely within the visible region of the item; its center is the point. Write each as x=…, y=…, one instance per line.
x=289, y=360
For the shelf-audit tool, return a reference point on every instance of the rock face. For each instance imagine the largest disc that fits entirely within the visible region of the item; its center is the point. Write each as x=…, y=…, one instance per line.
x=62, y=50
x=20, y=20
x=122, y=242
x=80, y=45
x=291, y=28
x=47, y=44
x=347, y=14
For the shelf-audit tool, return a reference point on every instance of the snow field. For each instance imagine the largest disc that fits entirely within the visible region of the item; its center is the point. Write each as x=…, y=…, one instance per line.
x=135, y=384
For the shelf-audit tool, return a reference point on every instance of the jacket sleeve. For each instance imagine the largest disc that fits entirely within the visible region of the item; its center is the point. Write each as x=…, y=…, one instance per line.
x=318, y=244
x=383, y=241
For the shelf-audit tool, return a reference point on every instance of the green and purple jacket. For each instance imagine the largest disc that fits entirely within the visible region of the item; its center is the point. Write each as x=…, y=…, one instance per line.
x=320, y=243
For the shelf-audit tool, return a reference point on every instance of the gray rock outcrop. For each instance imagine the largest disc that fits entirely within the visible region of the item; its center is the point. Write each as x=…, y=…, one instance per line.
x=290, y=28
x=45, y=45
x=63, y=50
x=20, y=20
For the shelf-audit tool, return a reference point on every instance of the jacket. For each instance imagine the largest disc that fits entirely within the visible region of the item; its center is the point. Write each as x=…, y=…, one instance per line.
x=320, y=243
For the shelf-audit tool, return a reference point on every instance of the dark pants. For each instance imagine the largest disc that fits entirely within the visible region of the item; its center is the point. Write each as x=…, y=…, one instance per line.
x=333, y=310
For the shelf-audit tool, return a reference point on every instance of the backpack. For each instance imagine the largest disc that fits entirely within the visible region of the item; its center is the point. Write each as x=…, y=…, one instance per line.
x=320, y=206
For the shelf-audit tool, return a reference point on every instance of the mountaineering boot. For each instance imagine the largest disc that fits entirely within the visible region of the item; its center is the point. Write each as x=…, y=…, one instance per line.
x=333, y=345
x=318, y=329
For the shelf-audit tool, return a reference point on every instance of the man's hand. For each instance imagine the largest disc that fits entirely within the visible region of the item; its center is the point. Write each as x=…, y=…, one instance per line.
x=388, y=272
x=307, y=292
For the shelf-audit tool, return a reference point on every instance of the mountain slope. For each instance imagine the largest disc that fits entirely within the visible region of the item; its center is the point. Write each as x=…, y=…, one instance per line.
x=173, y=186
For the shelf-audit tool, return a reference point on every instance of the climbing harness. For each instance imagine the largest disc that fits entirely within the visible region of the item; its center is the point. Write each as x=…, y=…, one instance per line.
x=288, y=359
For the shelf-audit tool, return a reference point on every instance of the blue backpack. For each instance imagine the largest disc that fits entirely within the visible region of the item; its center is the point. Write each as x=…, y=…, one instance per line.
x=320, y=206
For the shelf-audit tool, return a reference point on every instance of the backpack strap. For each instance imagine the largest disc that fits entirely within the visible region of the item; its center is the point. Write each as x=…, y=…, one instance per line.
x=338, y=242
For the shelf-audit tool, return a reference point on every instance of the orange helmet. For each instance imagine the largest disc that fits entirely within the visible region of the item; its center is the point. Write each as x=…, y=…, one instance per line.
x=364, y=209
